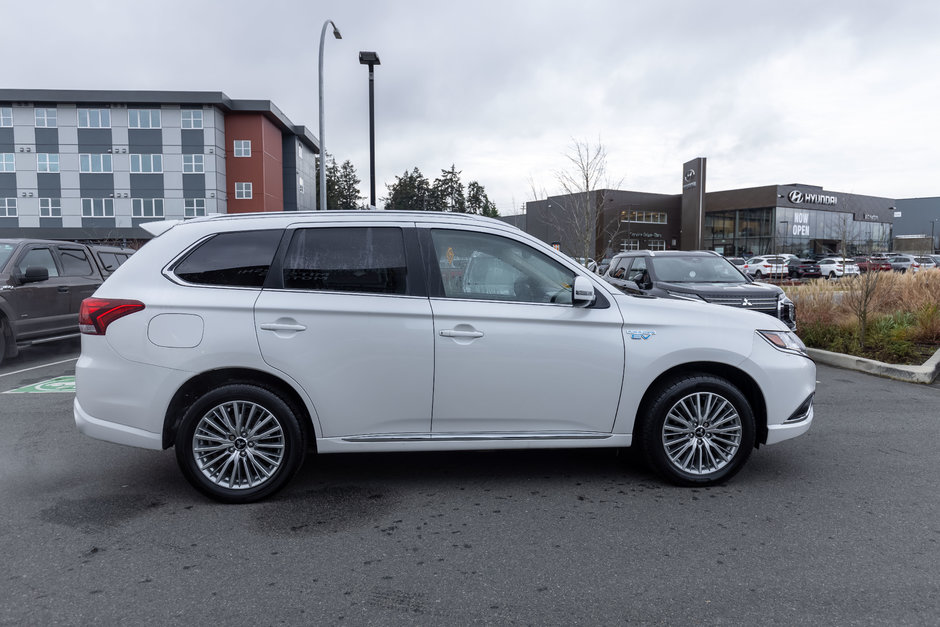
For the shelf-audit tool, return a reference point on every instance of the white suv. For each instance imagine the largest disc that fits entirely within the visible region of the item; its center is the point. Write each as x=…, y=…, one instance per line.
x=245, y=340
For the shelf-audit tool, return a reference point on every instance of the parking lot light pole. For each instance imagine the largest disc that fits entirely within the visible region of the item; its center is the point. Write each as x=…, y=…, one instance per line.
x=337, y=35
x=371, y=59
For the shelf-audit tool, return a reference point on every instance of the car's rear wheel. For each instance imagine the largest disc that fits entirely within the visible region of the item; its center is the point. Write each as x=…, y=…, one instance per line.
x=239, y=443
x=699, y=430
x=758, y=275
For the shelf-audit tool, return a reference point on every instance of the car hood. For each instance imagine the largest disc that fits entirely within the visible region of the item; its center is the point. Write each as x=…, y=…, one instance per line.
x=744, y=289
x=658, y=312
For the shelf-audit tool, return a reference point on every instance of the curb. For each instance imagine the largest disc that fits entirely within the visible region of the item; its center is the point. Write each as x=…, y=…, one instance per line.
x=912, y=374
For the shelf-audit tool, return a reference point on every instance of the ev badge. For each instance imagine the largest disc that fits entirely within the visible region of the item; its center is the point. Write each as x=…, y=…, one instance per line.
x=641, y=335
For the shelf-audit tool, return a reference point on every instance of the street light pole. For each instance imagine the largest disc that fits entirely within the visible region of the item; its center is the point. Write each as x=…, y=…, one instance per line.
x=337, y=35
x=371, y=59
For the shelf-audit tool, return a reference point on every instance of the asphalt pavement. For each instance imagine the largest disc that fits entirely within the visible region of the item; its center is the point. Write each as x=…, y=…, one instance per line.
x=840, y=526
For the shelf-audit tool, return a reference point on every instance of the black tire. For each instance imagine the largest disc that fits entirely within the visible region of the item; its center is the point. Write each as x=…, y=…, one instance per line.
x=832, y=276
x=260, y=455
x=682, y=448
x=758, y=275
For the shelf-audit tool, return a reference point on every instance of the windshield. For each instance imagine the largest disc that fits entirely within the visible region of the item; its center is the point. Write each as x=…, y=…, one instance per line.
x=696, y=270
x=6, y=249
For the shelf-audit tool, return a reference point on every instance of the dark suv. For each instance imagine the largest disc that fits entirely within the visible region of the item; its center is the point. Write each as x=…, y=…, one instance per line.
x=697, y=275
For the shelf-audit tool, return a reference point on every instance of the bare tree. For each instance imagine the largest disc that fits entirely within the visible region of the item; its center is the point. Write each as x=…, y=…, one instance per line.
x=579, y=215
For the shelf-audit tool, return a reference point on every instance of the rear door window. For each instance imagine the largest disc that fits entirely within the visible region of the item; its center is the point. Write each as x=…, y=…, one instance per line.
x=367, y=260
x=75, y=262
x=238, y=259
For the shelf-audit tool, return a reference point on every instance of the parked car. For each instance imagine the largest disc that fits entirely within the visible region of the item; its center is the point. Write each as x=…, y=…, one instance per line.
x=872, y=264
x=926, y=262
x=243, y=340
x=904, y=263
x=837, y=267
x=42, y=285
x=766, y=266
x=697, y=276
x=803, y=269
x=110, y=258
x=603, y=266
x=737, y=261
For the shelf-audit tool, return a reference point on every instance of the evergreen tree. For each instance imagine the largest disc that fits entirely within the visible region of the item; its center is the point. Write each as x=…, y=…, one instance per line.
x=410, y=192
x=478, y=202
x=346, y=186
x=449, y=191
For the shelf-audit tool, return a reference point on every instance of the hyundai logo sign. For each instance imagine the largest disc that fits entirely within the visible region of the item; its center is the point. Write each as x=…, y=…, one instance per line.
x=796, y=196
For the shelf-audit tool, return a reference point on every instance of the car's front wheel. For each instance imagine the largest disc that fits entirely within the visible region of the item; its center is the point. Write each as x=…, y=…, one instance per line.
x=698, y=430
x=239, y=443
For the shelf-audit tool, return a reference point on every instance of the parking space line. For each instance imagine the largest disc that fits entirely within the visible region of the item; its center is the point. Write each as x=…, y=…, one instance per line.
x=55, y=363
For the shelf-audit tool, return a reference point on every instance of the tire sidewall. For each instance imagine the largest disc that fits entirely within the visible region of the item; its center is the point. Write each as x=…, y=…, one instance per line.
x=652, y=428
x=282, y=411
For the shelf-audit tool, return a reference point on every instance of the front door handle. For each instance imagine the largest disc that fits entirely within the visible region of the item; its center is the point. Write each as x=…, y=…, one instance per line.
x=63, y=289
x=461, y=334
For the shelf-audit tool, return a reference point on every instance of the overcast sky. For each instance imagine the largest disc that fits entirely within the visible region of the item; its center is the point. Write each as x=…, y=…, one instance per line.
x=838, y=94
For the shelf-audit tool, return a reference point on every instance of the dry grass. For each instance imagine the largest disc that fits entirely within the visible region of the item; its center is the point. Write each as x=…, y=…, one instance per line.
x=904, y=311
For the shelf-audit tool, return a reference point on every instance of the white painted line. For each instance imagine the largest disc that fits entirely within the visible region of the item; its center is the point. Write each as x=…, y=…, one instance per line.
x=55, y=363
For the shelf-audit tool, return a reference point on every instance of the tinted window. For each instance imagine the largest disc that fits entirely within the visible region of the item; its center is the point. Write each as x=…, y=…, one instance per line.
x=354, y=259
x=696, y=270
x=38, y=257
x=489, y=267
x=75, y=262
x=5, y=251
x=109, y=261
x=235, y=259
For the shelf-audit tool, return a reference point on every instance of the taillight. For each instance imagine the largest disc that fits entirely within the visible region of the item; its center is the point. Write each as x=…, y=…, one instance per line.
x=97, y=313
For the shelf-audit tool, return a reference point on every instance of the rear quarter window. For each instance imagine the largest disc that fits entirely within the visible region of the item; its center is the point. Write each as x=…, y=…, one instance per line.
x=240, y=259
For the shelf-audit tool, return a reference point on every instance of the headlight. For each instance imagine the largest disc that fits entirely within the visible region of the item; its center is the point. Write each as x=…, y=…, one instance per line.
x=785, y=341
x=684, y=296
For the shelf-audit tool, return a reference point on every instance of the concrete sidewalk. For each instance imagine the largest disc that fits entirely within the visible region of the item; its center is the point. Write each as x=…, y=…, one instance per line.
x=913, y=374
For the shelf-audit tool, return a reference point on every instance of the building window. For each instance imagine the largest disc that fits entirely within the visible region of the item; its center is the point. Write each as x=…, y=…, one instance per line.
x=46, y=118
x=300, y=184
x=194, y=164
x=50, y=207
x=97, y=208
x=194, y=207
x=147, y=207
x=630, y=244
x=657, y=244
x=143, y=118
x=192, y=118
x=7, y=207
x=6, y=116
x=7, y=162
x=146, y=164
x=643, y=217
x=300, y=151
x=94, y=118
x=243, y=191
x=94, y=164
x=47, y=162
x=242, y=147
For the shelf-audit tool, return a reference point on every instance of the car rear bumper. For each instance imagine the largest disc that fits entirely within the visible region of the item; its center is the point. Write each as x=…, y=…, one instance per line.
x=114, y=432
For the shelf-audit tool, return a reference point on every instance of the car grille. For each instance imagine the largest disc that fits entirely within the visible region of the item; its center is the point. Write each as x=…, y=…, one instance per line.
x=763, y=304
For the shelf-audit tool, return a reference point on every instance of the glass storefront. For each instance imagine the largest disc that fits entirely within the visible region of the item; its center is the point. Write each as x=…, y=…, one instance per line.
x=802, y=232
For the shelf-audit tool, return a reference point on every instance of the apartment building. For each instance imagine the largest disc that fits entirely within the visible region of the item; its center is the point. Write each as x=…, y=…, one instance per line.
x=94, y=165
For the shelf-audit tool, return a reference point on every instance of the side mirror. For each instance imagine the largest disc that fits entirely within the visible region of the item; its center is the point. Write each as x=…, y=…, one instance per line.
x=582, y=292
x=34, y=274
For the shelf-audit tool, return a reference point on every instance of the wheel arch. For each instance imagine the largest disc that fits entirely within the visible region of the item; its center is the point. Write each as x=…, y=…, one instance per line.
x=739, y=378
x=203, y=382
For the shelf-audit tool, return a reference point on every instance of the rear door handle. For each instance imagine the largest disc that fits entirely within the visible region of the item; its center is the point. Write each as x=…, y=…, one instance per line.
x=280, y=326
x=461, y=334
x=63, y=289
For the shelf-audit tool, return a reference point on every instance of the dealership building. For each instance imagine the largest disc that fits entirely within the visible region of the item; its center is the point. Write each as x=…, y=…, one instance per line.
x=784, y=218
x=93, y=165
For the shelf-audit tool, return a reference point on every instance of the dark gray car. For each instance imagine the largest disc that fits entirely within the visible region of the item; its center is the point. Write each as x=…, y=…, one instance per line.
x=697, y=275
